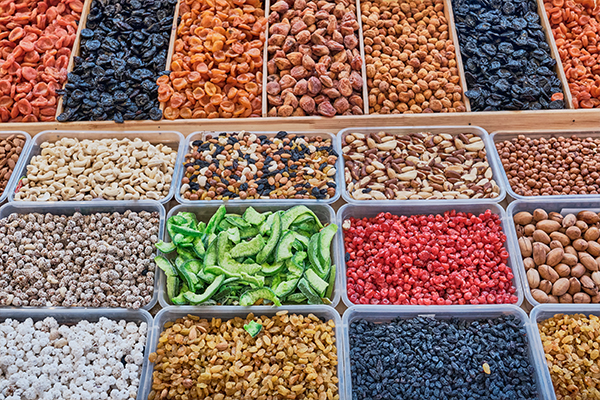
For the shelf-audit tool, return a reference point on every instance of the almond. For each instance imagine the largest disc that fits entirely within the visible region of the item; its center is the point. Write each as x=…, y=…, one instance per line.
x=539, y=296
x=578, y=270
x=523, y=218
x=548, y=226
x=548, y=273
x=580, y=244
x=565, y=298
x=592, y=233
x=569, y=220
x=562, y=270
x=588, y=261
x=533, y=277
x=574, y=286
x=529, y=229
x=554, y=257
x=561, y=237
x=539, y=214
x=541, y=236
x=571, y=250
x=593, y=248
x=560, y=287
x=569, y=259
x=555, y=244
x=581, y=225
x=526, y=247
x=528, y=263
x=540, y=251
x=581, y=298
x=589, y=217
x=573, y=232
x=545, y=286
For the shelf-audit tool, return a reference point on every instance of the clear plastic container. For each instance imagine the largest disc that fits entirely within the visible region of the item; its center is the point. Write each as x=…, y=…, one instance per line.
x=545, y=311
x=72, y=317
x=20, y=161
x=86, y=208
x=203, y=212
x=501, y=136
x=366, y=210
x=402, y=131
x=203, y=134
x=469, y=313
x=563, y=206
x=172, y=139
x=226, y=313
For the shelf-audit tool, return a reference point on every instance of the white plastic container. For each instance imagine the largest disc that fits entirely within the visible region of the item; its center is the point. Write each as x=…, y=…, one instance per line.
x=546, y=311
x=172, y=139
x=469, y=313
x=72, y=317
x=563, y=206
x=20, y=161
x=366, y=210
x=226, y=313
x=202, y=135
x=203, y=212
x=501, y=136
x=402, y=131
x=86, y=208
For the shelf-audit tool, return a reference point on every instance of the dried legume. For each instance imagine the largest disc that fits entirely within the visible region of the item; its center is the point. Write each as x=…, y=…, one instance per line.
x=10, y=150
x=110, y=169
x=508, y=64
x=417, y=166
x=572, y=355
x=576, y=30
x=246, y=166
x=314, y=65
x=450, y=258
x=561, y=255
x=123, y=50
x=411, y=63
x=426, y=358
x=97, y=260
x=36, y=38
x=293, y=356
x=551, y=165
x=216, y=69
x=88, y=360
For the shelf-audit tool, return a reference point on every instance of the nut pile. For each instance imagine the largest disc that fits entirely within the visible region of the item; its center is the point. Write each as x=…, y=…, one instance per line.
x=573, y=355
x=410, y=59
x=248, y=166
x=97, y=260
x=561, y=255
x=110, y=169
x=425, y=358
x=314, y=65
x=417, y=166
x=293, y=356
x=36, y=39
x=88, y=360
x=10, y=150
x=551, y=166
x=216, y=69
x=576, y=32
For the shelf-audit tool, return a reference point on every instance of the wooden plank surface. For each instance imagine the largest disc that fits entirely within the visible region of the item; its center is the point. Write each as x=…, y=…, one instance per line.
x=491, y=121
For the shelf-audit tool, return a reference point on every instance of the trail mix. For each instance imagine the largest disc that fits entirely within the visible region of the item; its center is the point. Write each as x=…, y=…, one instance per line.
x=507, y=60
x=216, y=70
x=36, y=40
x=96, y=260
x=573, y=355
x=551, y=165
x=576, y=30
x=410, y=59
x=443, y=259
x=87, y=360
x=561, y=255
x=284, y=356
x=314, y=62
x=123, y=50
x=246, y=166
x=424, y=358
x=10, y=150
x=281, y=256
x=417, y=166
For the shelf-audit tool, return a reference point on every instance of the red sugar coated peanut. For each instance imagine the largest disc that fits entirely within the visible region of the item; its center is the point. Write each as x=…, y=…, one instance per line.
x=36, y=38
x=443, y=259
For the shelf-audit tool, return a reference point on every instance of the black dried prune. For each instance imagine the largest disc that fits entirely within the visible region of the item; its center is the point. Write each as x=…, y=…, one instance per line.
x=505, y=55
x=123, y=50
